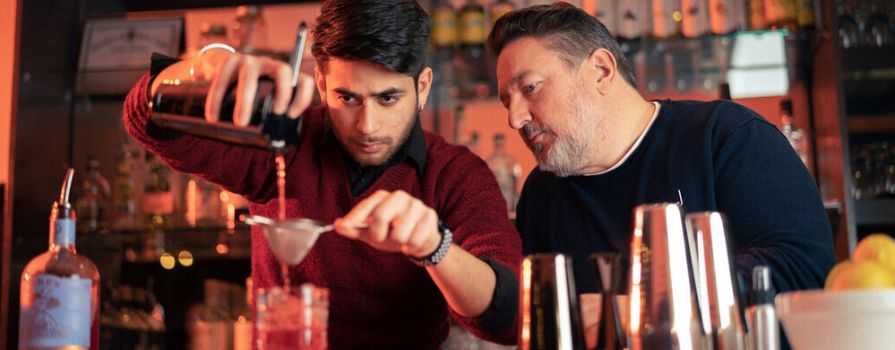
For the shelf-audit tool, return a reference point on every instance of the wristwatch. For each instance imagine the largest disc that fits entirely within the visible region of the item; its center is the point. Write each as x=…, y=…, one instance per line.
x=440, y=252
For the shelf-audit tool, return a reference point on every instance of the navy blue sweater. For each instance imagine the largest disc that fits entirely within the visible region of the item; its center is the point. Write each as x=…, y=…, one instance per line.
x=722, y=157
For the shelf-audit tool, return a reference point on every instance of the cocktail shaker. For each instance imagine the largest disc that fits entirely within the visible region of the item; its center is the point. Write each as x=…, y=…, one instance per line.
x=716, y=283
x=663, y=307
x=548, y=304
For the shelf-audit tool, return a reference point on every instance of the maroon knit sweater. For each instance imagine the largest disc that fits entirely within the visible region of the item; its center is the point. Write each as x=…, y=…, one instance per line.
x=378, y=300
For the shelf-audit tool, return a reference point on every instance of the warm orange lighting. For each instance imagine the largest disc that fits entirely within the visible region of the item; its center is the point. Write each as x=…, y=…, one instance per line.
x=191, y=202
x=222, y=248
x=167, y=261
x=525, y=335
x=677, y=16
x=635, y=299
x=231, y=216
x=185, y=258
x=8, y=11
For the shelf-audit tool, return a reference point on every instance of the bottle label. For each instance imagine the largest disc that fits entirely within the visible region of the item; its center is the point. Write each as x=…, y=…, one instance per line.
x=444, y=28
x=59, y=312
x=780, y=10
x=472, y=27
x=158, y=202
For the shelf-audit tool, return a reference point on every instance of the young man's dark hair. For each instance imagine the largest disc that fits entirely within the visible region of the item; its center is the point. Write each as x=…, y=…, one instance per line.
x=392, y=33
x=567, y=29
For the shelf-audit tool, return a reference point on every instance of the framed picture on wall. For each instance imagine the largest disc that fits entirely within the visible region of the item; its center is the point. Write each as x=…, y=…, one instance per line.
x=115, y=52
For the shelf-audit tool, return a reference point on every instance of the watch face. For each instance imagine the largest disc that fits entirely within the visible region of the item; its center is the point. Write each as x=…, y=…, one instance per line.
x=124, y=45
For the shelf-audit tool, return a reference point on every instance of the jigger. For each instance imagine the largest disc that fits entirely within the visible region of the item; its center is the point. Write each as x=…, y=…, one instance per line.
x=664, y=313
x=548, y=304
x=610, y=334
x=717, y=287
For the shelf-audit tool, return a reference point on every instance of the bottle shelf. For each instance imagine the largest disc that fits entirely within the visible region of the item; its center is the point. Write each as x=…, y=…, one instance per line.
x=863, y=58
x=143, y=246
x=869, y=124
x=876, y=212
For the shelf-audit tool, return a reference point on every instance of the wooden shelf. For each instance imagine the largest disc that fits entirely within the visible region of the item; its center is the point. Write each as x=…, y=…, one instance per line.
x=871, y=124
x=202, y=243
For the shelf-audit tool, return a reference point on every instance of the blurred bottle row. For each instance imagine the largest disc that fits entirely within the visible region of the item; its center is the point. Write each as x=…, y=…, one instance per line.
x=678, y=37
x=873, y=170
x=224, y=320
x=146, y=193
x=131, y=319
x=866, y=23
x=247, y=33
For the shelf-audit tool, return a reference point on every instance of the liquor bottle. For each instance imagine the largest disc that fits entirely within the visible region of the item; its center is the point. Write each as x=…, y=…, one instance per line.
x=470, y=60
x=444, y=27
x=878, y=32
x=667, y=18
x=93, y=198
x=634, y=20
x=125, y=188
x=59, y=298
x=726, y=16
x=507, y=171
x=849, y=29
x=153, y=330
x=158, y=196
x=795, y=136
x=202, y=202
x=133, y=327
x=781, y=14
x=250, y=30
x=497, y=10
x=243, y=320
x=757, y=20
x=606, y=12
x=211, y=327
x=209, y=33
x=695, y=18
x=472, y=142
x=805, y=14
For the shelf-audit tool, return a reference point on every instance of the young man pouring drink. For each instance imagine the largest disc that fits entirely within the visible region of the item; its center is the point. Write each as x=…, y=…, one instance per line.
x=437, y=242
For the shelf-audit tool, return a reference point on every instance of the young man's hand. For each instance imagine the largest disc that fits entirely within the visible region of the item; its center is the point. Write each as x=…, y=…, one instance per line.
x=396, y=222
x=222, y=68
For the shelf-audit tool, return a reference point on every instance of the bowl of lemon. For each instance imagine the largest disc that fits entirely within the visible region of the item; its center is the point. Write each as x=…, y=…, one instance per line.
x=856, y=308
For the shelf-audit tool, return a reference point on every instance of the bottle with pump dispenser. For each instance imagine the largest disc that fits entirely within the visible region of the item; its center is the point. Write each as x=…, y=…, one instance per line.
x=59, y=298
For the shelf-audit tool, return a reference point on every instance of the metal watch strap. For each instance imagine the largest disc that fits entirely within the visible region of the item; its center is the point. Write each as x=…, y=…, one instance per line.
x=438, y=254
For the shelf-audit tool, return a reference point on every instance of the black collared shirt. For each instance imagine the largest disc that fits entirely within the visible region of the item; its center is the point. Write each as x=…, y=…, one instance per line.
x=501, y=313
x=413, y=150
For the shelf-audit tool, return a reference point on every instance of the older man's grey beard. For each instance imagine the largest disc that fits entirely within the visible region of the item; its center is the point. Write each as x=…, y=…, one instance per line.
x=563, y=157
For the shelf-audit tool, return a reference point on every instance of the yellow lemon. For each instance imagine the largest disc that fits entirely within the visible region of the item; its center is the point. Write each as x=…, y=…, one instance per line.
x=862, y=275
x=834, y=273
x=877, y=247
